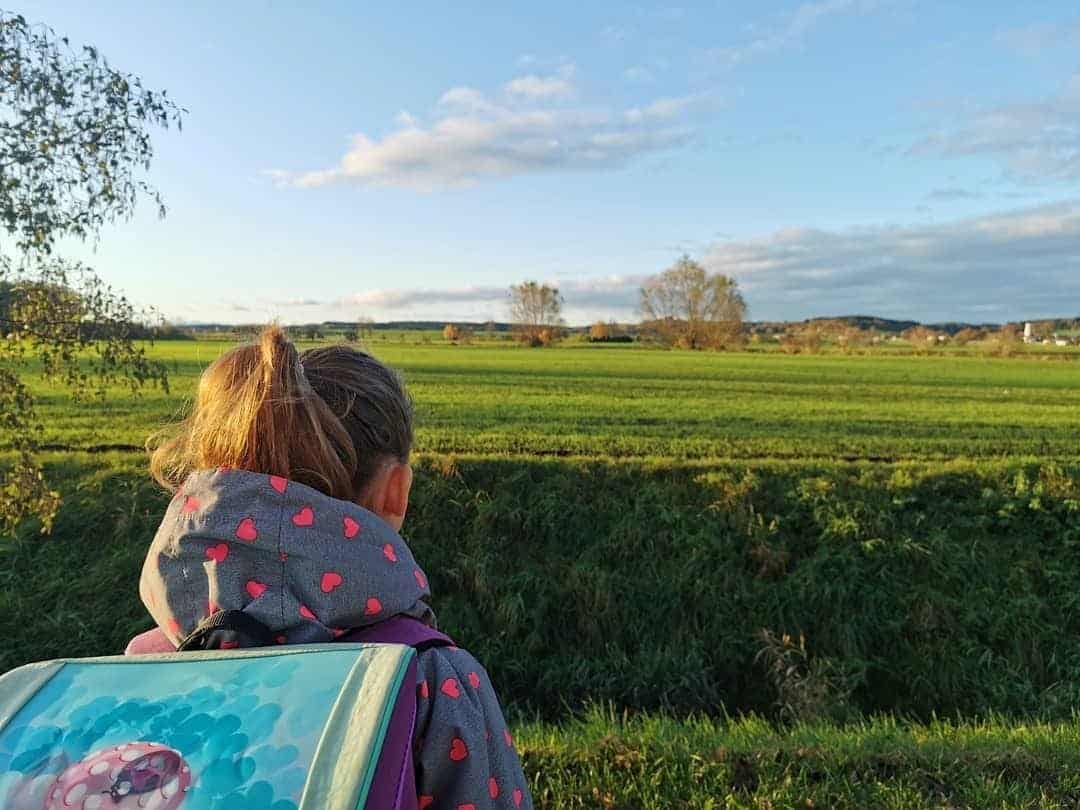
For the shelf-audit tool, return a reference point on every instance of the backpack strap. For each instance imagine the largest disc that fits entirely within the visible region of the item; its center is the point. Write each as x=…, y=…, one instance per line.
x=401, y=630
x=211, y=632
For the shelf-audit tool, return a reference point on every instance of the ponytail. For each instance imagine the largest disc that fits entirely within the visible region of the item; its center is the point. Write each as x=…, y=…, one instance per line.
x=256, y=410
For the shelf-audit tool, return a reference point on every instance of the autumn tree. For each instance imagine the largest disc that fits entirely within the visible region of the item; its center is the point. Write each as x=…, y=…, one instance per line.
x=536, y=313
x=688, y=307
x=74, y=144
x=451, y=333
x=921, y=338
x=969, y=334
x=599, y=332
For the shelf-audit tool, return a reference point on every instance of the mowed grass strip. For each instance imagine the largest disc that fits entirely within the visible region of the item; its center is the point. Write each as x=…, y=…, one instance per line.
x=638, y=402
x=648, y=762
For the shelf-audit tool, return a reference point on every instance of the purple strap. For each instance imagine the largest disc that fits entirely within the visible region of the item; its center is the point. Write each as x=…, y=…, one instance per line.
x=394, y=786
x=400, y=630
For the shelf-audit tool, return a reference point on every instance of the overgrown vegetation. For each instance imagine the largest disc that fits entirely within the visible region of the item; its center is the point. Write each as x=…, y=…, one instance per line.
x=915, y=589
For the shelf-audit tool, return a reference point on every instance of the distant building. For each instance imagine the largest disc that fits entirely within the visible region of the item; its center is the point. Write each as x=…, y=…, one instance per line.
x=1029, y=334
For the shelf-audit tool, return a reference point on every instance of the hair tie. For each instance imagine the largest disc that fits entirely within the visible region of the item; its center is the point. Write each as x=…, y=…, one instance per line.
x=300, y=373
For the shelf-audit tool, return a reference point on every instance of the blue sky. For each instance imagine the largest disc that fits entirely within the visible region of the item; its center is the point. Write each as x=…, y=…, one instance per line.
x=888, y=157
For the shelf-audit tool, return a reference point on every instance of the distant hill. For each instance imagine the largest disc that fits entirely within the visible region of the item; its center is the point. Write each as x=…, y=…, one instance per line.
x=885, y=325
x=1041, y=326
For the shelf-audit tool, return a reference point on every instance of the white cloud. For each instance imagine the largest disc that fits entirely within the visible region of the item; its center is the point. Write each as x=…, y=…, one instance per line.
x=1035, y=141
x=471, y=137
x=1009, y=265
x=541, y=87
x=792, y=30
x=465, y=98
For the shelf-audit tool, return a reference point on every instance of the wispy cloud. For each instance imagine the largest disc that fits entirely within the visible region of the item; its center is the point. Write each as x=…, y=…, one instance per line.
x=404, y=299
x=663, y=109
x=1016, y=264
x=612, y=296
x=609, y=292
x=1036, y=142
x=1037, y=38
x=791, y=30
x=639, y=73
x=950, y=194
x=528, y=128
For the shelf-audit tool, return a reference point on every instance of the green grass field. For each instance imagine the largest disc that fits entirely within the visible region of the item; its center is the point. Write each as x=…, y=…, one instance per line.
x=630, y=402
x=914, y=518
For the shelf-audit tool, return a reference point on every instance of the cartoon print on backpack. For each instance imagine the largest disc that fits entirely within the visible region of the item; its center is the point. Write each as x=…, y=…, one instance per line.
x=132, y=775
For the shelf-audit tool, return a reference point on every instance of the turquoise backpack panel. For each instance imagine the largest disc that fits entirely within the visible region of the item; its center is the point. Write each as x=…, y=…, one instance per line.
x=292, y=728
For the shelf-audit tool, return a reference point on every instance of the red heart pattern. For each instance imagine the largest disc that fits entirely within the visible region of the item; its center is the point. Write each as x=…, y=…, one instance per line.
x=493, y=788
x=246, y=530
x=373, y=607
x=330, y=580
x=474, y=680
x=174, y=627
x=507, y=737
x=518, y=796
x=450, y=688
x=230, y=645
x=350, y=527
x=421, y=580
x=190, y=505
x=389, y=553
x=304, y=518
x=218, y=553
x=423, y=690
x=280, y=639
x=458, y=750
x=426, y=802
x=279, y=483
x=254, y=588
x=305, y=612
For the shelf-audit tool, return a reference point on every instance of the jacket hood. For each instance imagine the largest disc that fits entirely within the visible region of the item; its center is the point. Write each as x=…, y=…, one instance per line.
x=306, y=565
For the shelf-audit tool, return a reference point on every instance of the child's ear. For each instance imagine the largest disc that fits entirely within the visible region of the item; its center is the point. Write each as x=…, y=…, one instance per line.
x=388, y=496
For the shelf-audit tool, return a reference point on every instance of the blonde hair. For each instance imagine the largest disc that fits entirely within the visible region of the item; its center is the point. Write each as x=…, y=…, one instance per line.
x=327, y=418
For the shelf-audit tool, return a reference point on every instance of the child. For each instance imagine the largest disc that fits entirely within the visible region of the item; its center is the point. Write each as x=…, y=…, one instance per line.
x=292, y=480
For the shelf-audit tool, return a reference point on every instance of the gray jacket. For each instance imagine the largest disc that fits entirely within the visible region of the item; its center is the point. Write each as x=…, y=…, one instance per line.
x=310, y=567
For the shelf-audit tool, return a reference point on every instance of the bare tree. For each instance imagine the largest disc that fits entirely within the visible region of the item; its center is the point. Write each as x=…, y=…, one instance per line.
x=688, y=307
x=536, y=312
x=365, y=328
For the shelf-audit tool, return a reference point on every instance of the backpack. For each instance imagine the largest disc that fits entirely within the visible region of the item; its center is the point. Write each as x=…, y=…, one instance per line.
x=257, y=726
